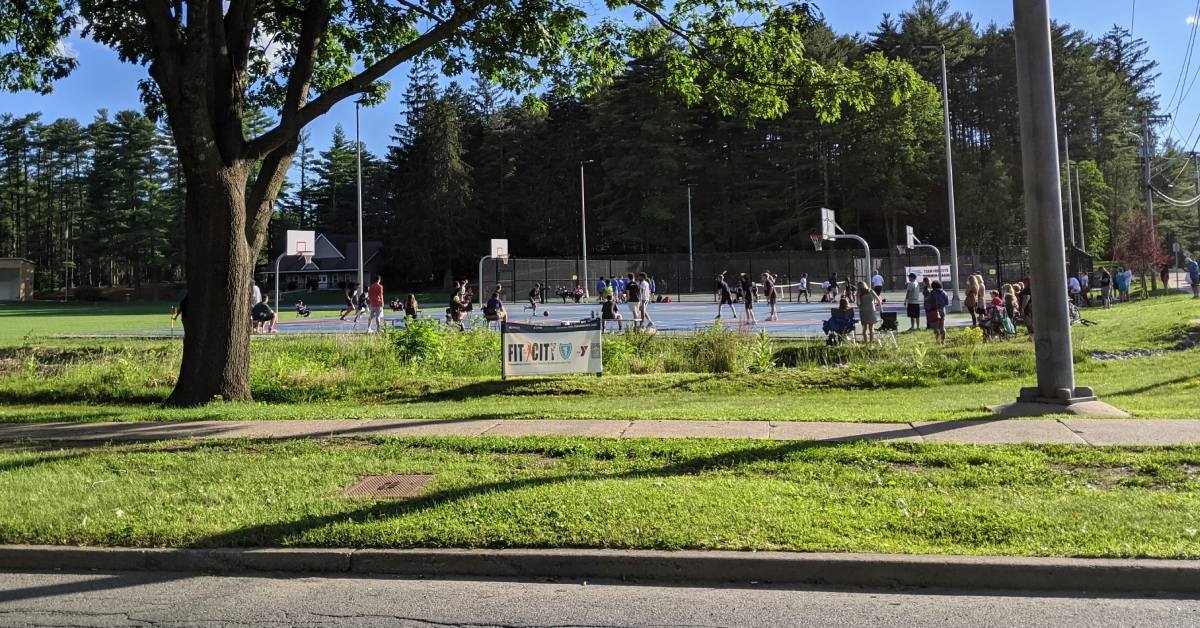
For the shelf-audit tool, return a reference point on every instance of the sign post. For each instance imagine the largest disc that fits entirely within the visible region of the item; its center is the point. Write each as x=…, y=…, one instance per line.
x=529, y=349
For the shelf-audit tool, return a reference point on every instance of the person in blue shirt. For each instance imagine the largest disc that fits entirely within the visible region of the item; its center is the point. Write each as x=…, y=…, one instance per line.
x=600, y=286
x=1193, y=271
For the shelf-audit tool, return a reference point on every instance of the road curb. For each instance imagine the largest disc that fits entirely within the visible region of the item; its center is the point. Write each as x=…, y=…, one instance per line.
x=785, y=568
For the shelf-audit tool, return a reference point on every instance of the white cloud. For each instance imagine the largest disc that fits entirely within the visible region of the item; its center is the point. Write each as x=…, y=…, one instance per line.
x=1191, y=19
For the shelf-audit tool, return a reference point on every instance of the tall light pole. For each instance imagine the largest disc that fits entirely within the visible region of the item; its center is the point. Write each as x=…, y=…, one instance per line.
x=1070, y=208
x=1041, y=174
x=583, y=222
x=1079, y=199
x=691, y=267
x=358, y=158
x=955, y=305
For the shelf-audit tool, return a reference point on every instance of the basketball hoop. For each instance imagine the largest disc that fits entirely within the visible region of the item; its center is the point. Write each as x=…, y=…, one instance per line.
x=307, y=256
x=816, y=240
x=901, y=249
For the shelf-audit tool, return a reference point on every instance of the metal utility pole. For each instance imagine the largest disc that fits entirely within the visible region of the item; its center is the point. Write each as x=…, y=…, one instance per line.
x=358, y=150
x=1043, y=206
x=955, y=304
x=1070, y=208
x=1079, y=199
x=691, y=262
x=583, y=223
x=1196, y=190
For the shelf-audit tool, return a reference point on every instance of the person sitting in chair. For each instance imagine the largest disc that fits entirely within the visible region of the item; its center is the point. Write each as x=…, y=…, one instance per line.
x=263, y=316
x=302, y=309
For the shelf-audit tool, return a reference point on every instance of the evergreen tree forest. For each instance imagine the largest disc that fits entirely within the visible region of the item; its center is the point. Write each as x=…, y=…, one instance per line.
x=467, y=162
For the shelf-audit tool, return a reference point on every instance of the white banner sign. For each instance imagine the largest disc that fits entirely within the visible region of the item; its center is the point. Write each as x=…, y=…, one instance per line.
x=530, y=349
x=931, y=271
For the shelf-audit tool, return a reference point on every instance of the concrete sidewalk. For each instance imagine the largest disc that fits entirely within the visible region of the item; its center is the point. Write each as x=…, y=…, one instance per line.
x=989, y=432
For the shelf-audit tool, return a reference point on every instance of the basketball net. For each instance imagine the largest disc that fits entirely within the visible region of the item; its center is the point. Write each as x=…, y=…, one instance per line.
x=501, y=255
x=307, y=256
x=816, y=240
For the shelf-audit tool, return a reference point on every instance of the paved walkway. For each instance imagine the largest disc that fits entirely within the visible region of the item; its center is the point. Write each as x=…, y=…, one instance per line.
x=998, y=431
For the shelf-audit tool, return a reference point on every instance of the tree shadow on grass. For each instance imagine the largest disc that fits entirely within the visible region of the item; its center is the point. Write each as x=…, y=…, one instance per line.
x=276, y=533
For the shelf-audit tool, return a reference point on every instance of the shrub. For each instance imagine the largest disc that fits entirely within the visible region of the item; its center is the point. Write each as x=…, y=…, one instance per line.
x=718, y=350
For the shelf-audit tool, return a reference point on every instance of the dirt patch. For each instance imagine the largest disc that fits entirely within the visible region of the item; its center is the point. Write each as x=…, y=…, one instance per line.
x=1099, y=478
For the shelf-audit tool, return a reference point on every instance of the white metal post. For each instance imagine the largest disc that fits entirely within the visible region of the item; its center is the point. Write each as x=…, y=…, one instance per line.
x=277, y=260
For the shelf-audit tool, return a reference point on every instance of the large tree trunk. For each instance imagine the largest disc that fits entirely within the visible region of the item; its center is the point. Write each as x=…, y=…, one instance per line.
x=220, y=267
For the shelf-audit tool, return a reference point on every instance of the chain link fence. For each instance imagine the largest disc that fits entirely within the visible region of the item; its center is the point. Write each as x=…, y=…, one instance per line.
x=674, y=276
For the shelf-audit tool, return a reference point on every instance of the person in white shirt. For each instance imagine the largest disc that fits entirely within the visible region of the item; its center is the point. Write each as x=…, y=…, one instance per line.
x=643, y=311
x=255, y=293
x=802, y=287
x=877, y=283
x=1073, y=288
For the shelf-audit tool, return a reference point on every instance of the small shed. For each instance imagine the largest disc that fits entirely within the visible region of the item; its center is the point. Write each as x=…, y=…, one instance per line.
x=16, y=279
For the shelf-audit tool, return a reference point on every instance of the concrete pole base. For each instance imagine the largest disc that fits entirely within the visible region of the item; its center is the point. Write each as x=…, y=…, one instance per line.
x=1081, y=402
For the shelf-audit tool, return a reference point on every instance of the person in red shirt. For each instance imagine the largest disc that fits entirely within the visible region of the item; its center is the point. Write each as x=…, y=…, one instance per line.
x=375, y=299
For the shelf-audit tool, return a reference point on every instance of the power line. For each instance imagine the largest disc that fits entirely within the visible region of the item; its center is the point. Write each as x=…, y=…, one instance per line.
x=1187, y=60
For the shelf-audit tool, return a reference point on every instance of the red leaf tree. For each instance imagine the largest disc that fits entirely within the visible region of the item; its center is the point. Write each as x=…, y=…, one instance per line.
x=1139, y=248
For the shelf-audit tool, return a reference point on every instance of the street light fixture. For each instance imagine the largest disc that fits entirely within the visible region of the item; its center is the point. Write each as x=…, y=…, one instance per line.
x=583, y=222
x=955, y=305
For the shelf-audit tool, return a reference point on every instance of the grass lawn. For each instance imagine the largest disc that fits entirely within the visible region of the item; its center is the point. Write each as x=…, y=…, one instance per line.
x=455, y=376
x=555, y=492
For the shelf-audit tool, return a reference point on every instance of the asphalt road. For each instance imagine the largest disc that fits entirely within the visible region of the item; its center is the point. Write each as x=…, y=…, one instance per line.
x=169, y=600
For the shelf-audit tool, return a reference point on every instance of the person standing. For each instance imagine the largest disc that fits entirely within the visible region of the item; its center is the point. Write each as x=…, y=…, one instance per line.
x=971, y=300
x=601, y=288
x=644, y=294
x=877, y=284
x=412, y=310
x=1193, y=273
x=747, y=285
x=831, y=290
x=375, y=301
x=768, y=281
x=1164, y=273
x=802, y=287
x=935, y=311
x=912, y=302
x=724, y=296
x=1105, y=288
x=868, y=310
x=634, y=298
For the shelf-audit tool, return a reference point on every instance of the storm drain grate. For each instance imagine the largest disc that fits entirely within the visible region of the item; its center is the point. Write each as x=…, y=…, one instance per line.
x=388, y=486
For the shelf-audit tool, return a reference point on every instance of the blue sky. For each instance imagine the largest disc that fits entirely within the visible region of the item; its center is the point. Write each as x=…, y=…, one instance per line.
x=101, y=81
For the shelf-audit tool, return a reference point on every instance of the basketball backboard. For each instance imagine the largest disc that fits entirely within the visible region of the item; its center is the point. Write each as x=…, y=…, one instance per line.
x=910, y=238
x=828, y=224
x=499, y=248
x=301, y=242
